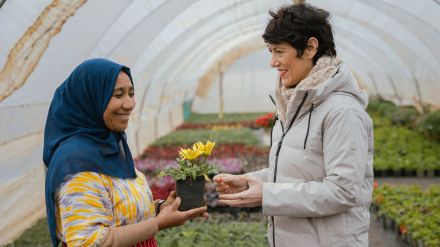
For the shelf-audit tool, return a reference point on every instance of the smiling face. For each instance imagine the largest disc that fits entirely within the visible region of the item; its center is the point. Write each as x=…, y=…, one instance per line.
x=122, y=102
x=291, y=68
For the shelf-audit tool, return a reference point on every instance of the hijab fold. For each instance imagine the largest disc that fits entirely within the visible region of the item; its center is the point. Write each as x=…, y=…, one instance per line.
x=76, y=138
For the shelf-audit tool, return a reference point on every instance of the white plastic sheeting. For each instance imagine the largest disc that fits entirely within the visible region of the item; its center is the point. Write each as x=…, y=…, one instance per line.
x=247, y=84
x=393, y=48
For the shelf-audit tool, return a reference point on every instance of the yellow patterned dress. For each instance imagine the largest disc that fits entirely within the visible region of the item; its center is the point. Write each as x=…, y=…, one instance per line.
x=87, y=203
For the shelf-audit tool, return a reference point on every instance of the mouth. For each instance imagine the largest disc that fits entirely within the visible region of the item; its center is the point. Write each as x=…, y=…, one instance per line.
x=123, y=116
x=282, y=72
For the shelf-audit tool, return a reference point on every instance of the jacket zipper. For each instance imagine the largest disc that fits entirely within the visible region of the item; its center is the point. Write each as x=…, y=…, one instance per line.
x=278, y=152
x=308, y=126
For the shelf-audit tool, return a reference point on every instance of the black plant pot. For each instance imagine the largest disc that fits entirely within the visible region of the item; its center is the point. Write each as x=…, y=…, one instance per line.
x=191, y=192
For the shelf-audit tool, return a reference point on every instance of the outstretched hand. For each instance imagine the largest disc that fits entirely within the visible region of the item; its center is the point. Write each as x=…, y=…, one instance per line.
x=229, y=184
x=252, y=197
x=170, y=216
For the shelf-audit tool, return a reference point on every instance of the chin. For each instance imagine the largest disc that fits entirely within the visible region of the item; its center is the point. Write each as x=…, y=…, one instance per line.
x=289, y=84
x=120, y=128
x=286, y=84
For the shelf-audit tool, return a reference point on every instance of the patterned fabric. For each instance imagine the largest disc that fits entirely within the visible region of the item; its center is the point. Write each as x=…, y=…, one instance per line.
x=147, y=243
x=87, y=203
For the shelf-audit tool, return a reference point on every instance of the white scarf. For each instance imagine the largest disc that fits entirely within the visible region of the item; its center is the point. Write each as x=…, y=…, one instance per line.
x=325, y=68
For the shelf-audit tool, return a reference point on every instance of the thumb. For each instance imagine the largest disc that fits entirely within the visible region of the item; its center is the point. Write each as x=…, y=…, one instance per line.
x=218, y=177
x=195, y=211
x=176, y=203
x=248, y=179
x=228, y=178
x=172, y=194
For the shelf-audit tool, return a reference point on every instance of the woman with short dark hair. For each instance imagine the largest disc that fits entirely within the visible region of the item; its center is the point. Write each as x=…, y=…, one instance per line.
x=317, y=188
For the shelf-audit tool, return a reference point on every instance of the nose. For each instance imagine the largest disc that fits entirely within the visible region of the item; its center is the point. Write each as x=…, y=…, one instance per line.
x=274, y=62
x=129, y=103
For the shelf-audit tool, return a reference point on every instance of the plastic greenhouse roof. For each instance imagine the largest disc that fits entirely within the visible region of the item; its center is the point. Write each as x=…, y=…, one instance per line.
x=179, y=40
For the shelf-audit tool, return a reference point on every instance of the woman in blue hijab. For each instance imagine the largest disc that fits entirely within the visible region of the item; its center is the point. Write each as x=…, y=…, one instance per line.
x=94, y=194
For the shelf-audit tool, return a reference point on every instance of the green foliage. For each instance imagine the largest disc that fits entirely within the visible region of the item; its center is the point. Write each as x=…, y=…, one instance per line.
x=413, y=208
x=218, y=230
x=36, y=236
x=230, y=117
x=186, y=169
x=404, y=116
x=430, y=125
x=398, y=147
x=192, y=162
x=187, y=137
x=381, y=107
x=215, y=232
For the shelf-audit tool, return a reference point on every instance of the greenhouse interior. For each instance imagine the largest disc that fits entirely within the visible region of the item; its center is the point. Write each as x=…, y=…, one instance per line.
x=203, y=72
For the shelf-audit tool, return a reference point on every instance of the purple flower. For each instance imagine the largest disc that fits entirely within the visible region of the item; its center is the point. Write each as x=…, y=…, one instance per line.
x=228, y=165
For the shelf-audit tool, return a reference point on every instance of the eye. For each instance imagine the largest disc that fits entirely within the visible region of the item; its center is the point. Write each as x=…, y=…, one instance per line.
x=279, y=53
x=118, y=96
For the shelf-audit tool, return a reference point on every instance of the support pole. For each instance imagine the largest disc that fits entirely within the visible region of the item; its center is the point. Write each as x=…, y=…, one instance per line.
x=220, y=91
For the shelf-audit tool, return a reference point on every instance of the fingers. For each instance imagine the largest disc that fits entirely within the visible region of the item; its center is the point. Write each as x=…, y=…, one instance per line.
x=172, y=194
x=170, y=199
x=222, y=188
x=233, y=203
x=176, y=203
x=247, y=178
x=228, y=178
x=236, y=196
x=195, y=212
x=218, y=178
x=225, y=178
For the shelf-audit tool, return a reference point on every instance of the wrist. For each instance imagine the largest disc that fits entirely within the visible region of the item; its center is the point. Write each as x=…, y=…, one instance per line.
x=157, y=223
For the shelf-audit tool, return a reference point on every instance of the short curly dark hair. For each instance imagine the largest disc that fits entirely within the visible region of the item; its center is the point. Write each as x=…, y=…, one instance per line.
x=295, y=24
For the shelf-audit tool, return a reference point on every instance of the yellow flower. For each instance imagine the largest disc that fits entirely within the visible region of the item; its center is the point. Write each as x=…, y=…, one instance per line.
x=199, y=146
x=189, y=154
x=205, y=148
x=208, y=147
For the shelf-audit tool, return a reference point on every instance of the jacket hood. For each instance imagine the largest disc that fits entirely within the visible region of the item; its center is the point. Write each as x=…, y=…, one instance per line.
x=329, y=75
x=343, y=81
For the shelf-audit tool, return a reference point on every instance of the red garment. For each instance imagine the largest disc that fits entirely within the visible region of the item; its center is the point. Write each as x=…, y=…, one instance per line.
x=147, y=243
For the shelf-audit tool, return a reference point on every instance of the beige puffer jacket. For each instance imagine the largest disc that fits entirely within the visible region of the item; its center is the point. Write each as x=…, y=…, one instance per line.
x=318, y=185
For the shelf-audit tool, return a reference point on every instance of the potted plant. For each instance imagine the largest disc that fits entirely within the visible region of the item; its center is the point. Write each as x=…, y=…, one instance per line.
x=191, y=174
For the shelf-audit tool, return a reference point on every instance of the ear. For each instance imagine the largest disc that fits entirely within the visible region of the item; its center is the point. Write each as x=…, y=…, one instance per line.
x=312, y=47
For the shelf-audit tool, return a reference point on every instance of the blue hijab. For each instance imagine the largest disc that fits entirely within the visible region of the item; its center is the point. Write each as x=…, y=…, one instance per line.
x=76, y=138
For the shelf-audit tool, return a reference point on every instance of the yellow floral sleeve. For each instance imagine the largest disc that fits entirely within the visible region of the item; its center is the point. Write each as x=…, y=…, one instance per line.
x=88, y=203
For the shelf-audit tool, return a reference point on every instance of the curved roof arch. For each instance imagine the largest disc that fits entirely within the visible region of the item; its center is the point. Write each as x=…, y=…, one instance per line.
x=144, y=32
